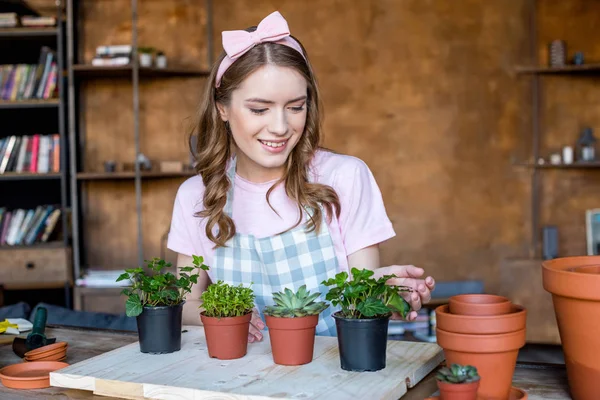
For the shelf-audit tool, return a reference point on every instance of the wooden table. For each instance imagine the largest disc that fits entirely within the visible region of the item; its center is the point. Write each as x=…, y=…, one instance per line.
x=541, y=381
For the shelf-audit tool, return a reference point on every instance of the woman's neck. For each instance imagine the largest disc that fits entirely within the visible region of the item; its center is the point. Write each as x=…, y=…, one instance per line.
x=255, y=173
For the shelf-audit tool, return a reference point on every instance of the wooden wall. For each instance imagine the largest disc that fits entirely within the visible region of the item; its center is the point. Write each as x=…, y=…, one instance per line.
x=424, y=91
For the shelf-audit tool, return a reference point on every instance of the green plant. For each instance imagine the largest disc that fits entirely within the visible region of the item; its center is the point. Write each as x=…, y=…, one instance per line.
x=363, y=296
x=223, y=300
x=458, y=374
x=146, y=50
x=158, y=288
x=289, y=304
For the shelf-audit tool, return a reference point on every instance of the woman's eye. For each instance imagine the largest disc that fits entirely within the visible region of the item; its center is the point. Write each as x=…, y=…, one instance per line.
x=258, y=111
x=297, y=109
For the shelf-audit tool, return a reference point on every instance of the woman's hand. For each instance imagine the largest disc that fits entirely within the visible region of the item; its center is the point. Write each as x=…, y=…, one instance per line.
x=407, y=276
x=256, y=325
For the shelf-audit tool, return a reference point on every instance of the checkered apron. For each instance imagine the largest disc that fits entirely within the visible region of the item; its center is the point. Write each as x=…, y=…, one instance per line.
x=271, y=264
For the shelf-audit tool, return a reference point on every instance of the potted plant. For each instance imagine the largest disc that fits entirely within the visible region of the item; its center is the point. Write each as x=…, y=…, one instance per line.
x=226, y=312
x=362, y=323
x=458, y=382
x=292, y=322
x=156, y=299
x=161, y=60
x=145, y=55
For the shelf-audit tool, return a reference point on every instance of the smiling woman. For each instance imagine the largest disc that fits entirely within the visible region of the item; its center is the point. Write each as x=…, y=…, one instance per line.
x=270, y=208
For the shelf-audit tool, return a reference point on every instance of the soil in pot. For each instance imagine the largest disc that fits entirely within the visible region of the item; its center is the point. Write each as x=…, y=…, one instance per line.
x=227, y=337
x=479, y=304
x=362, y=343
x=458, y=391
x=494, y=356
x=292, y=339
x=159, y=329
x=574, y=283
x=515, y=320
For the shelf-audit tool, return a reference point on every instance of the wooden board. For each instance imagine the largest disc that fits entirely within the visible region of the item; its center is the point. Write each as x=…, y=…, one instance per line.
x=191, y=374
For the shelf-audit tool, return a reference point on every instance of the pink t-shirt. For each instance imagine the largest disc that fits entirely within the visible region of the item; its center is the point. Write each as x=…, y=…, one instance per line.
x=363, y=220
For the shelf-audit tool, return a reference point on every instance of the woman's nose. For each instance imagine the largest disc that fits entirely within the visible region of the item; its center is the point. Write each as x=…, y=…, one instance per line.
x=278, y=124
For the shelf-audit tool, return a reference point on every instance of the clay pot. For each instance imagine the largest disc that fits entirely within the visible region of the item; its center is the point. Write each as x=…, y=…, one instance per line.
x=574, y=283
x=292, y=339
x=494, y=356
x=479, y=304
x=458, y=391
x=227, y=337
x=514, y=320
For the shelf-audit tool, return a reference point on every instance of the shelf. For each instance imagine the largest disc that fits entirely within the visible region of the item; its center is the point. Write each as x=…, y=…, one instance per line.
x=16, y=176
x=580, y=165
x=29, y=104
x=92, y=71
x=566, y=70
x=131, y=175
x=47, y=245
x=35, y=285
x=27, y=32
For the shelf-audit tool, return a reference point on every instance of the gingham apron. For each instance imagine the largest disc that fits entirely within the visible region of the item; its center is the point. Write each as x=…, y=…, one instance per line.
x=271, y=264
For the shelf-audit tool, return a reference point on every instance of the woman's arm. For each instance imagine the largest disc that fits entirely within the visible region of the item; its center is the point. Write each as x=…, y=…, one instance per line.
x=407, y=274
x=191, y=313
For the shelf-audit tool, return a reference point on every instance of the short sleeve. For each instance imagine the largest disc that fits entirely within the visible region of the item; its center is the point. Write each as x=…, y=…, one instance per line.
x=363, y=219
x=180, y=238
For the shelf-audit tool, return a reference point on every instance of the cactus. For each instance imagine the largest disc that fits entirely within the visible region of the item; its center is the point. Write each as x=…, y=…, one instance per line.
x=458, y=374
x=289, y=304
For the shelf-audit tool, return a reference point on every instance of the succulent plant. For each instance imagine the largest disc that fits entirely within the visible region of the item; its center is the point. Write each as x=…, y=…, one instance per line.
x=458, y=374
x=300, y=304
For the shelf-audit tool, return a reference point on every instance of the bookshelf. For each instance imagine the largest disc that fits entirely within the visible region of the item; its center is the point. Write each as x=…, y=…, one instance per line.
x=35, y=240
x=121, y=218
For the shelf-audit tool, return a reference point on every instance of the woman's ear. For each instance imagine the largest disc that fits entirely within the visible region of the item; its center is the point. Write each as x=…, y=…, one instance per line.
x=223, y=112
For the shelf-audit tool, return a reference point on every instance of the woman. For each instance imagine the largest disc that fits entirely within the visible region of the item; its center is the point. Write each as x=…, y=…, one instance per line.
x=269, y=206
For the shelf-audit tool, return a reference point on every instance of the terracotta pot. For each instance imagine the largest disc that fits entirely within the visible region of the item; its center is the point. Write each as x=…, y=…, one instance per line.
x=292, y=339
x=515, y=320
x=227, y=338
x=574, y=283
x=479, y=304
x=494, y=356
x=458, y=391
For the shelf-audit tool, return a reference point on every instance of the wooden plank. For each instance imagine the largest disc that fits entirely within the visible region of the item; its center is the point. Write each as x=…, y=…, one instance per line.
x=191, y=374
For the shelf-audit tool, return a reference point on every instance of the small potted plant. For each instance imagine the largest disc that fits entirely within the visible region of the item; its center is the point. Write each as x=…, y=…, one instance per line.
x=458, y=382
x=161, y=60
x=226, y=312
x=156, y=299
x=292, y=323
x=362, y=323
x=145, y=55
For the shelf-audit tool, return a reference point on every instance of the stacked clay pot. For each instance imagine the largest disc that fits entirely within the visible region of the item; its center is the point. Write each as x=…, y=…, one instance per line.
x=485, y=331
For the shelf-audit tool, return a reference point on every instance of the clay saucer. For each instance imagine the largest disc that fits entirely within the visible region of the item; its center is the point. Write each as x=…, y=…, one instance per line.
x=45, y=350
x=515, y=394
x=46, y=354
x=479, y=304
x=29, y=375
x=61, y=355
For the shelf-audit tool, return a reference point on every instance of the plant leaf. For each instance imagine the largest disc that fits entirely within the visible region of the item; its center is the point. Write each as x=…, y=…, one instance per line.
x=372, y=307
x=133, y=306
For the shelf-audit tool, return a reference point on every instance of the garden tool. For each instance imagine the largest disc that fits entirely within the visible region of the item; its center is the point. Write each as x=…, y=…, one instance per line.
x=36, y=338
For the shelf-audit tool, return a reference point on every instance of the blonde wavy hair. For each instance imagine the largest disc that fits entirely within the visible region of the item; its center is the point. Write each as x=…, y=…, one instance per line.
x=215, y=145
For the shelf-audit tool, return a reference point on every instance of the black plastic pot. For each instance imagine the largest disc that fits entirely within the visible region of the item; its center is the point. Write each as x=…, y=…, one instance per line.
x=362, y=343
x=159, y=329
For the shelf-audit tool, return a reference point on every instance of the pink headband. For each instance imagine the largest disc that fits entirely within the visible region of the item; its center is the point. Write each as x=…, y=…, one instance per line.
x=273, y=28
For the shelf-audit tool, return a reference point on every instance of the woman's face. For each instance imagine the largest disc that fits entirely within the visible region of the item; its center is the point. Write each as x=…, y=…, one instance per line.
x=267, y=114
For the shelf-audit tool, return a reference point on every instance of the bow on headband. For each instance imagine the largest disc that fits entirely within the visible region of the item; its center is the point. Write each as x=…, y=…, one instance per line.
x=273, y=28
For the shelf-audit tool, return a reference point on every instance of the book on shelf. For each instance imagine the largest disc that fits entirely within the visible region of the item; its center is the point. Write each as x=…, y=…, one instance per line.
x=14, y=20
x=30, y=81
x=102, y=279
x=116, y=55
x=25, y=227
x=30, y=154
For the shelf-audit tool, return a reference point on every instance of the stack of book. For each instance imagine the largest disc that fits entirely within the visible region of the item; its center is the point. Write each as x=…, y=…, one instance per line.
x=9, y=20
x=102, y=278
x=30, y=81
x=27, y=227
x=112, y=55
x=13, y=20
x=30, y=154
